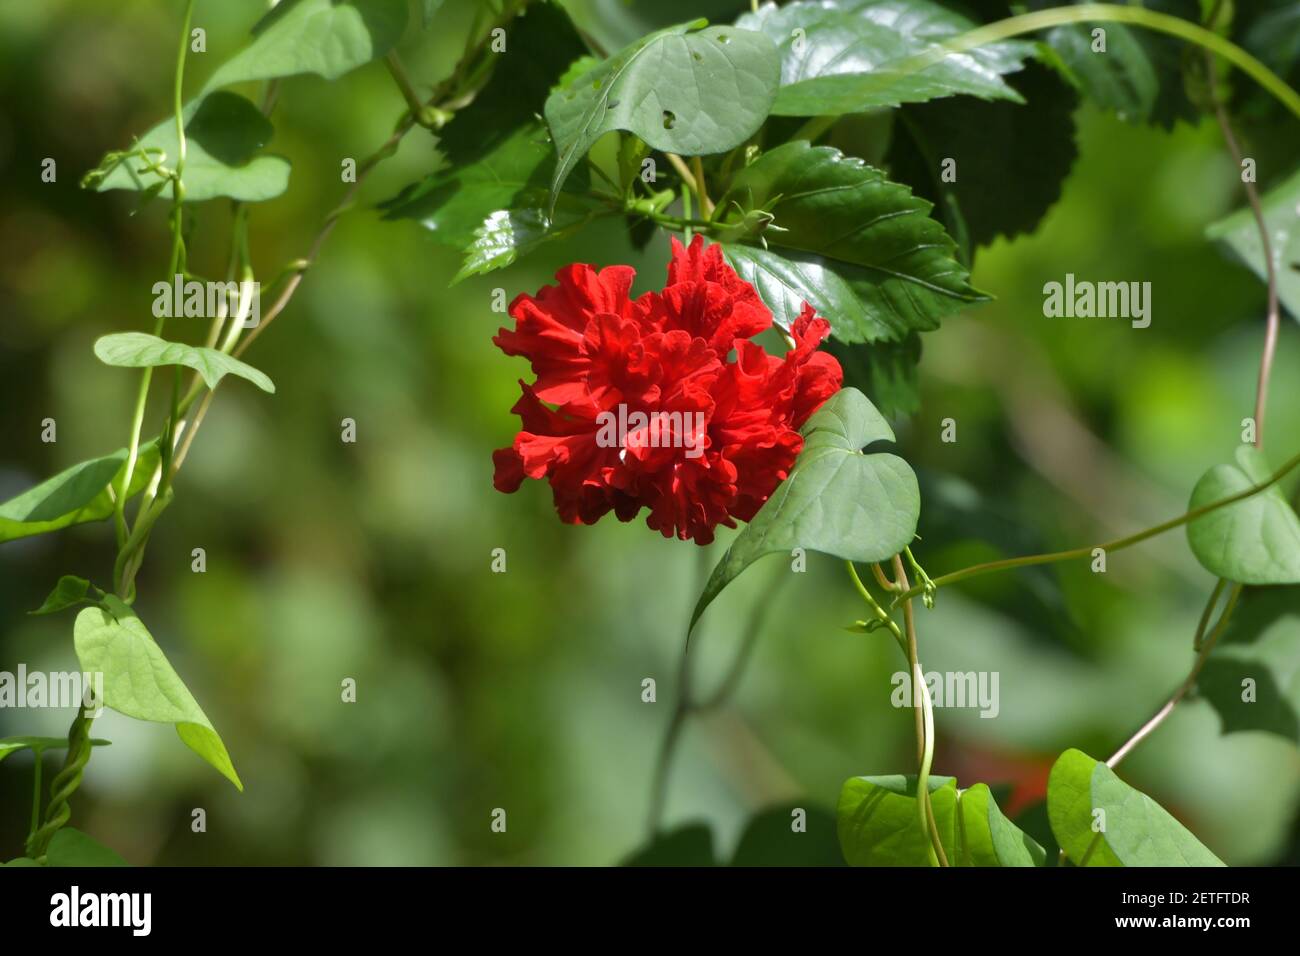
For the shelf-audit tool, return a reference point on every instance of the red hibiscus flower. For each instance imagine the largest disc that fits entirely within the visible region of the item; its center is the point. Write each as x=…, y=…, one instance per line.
x=661, y=402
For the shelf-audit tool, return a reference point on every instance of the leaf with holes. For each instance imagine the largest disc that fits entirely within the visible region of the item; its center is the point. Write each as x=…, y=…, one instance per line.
x=856, y=55
x=1252, y=541
x=837, y=500
x=841, y=231
x=141, y=350
x=689, y=89
x=139, y=682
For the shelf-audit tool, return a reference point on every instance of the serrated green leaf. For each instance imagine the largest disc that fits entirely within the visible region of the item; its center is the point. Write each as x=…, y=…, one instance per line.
x=139, y=682
x=1252, y=541
x=1252, y=677
x=837, y=500
x=1139, y=76
x=75, y=495
x=848, y=56
x=508, y=234
x=1239, y=234
x=835, y=214
x=1132, y=829
x=498, y=154
x=886, y=372
x=1009, y=161
x=688, y=89
x=223, y=134
x=68, y=592
x=325, y=37
x=141, y=350
x=69, y=847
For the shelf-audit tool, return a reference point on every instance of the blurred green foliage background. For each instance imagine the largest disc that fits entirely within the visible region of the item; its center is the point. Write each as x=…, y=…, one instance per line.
x=522, y=690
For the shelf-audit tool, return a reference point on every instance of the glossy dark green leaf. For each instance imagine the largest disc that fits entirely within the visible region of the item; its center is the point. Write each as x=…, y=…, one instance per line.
x=510, y=233
x=325, y=37
x=1252, y=677
x=68, y=592
x=837, y=500
x=75, y=495
x=141, y=350
x=835, y=214
x=69, y=847
x=1009, y=161
x=1139, y=76
x=689, y=89
x=139, y=681
x=848, y=56
x=1099, y=820
x=497, y=154
x=1252, y=541
x=886, y=372
x=223, y=134
x=1240, y=236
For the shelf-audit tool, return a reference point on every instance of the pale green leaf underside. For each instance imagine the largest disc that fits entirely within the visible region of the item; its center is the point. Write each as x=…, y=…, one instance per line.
x=139, y=682
x=223, y=134
x=1253, y=541
x=75, y=495
x=1137, y=830
x=836, y=500
x=1238, y=233
x=325, y=37
x=682, y=90
x=141, y=350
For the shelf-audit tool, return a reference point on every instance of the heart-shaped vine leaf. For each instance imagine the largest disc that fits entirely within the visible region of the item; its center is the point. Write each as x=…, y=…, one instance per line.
x=326, y=37
x=69, y=847
x=223, y=134
x=139, y=682
x=1239, y=234
x=837, y=500
x=688, y=89
x=21, y=861
x=1252, y=677
x=141, y=350
x=852, y=55
x=841, y=230
x=38, y=745
x=1099, y=820
x=68, y=592
x=878, y=825
x=75, y=495
x=1252, y=541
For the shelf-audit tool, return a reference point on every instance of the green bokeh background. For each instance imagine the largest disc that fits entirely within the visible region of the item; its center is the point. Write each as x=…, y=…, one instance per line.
x=522, y=690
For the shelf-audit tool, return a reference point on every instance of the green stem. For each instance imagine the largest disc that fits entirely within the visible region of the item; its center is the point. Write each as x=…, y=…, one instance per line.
x=37, y=754
x=64, y=785
x=1006, y=564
